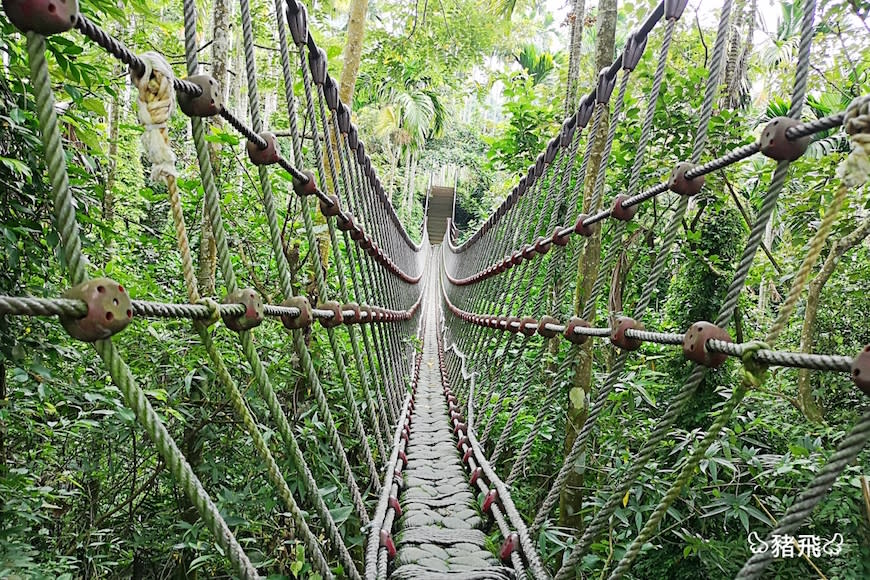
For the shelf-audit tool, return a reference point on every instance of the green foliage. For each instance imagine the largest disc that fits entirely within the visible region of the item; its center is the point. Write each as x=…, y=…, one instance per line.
x=84, y=495
x=705, y=266
x=533, y=118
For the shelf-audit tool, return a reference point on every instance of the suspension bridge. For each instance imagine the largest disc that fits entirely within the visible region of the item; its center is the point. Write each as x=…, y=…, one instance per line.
x=432, y=472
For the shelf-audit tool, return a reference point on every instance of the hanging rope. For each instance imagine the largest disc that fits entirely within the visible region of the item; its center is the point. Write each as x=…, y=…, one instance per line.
x=156, y=102
x=65, y=220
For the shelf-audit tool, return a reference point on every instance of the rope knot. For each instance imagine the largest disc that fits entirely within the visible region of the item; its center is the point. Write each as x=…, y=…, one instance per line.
x=156, y=103
x=214, y=313
x=754, y=371
x=855, y=169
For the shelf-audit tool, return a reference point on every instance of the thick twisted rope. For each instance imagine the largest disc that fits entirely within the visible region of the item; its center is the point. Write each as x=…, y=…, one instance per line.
x=308, y=366
x=600, y=520
x=64, y=214
x=323, y=292
x=753, y=378
x=156, y=102
x=266, y=391
x=730, y=302
x=853, y=173
x=661, y=259
x=342, y=283
x=552, y=203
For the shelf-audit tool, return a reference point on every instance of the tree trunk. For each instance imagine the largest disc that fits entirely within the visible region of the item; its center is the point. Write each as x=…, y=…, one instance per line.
x=762, y=286
x=3, y=402
x=571, y=498
x=356, y=22
x=730, y=67
x=346, y=83
x=576, y=20
x=413, y=181
x=737, y=89
x=391, y=175
x=109, y=193
x=407, y=188
x=207, y=266
x=808, y=404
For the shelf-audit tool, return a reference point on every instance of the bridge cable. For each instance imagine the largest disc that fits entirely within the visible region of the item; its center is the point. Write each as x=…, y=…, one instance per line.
x=65, y=220
x=155, y=92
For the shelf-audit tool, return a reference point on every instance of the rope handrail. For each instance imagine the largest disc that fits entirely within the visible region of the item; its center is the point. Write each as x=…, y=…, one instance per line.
x=73, y=308
x=331, y=204
x=80, y=315
x=548, y=327
x=576, y=121
x=582, y=227
x=388, y=488
x=495, y=254
x=477, y=458
x=65, y=219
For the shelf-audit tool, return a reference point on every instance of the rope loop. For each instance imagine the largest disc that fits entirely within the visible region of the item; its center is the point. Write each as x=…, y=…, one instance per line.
x=855, y=169
x=214, y=313
x=156, y=102
x=754, y=371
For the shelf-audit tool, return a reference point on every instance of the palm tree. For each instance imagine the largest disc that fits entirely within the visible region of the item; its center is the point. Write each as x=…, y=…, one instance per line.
x=411, y=115
x=537, y=64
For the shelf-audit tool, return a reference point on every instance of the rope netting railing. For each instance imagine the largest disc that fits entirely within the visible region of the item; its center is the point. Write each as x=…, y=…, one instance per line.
x=375, y=263
x=504, y=290
x=500, y=303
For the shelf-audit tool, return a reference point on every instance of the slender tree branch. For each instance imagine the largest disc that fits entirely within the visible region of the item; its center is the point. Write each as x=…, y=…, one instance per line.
x=414, y=28
x=701, y=35
x=746, y=219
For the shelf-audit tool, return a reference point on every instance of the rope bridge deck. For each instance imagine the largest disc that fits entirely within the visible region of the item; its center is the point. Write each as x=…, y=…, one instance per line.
x=427, y=486
x=440, y=528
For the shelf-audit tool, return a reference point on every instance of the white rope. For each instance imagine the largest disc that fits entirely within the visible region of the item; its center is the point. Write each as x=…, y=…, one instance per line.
x=855, y=168
x=156, y=103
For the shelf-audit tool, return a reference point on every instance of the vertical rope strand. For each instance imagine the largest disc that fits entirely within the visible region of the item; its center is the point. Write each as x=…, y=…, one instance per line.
x=65, y=220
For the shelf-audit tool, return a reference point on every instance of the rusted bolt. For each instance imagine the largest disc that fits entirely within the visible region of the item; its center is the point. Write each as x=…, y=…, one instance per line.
x=508, y=547
x=678, y=183
x=560, y=240
x=266, y=156
x=336, y=318
x=617, y=333
x=45, y=17
x=386, y=541
x=570, y=335
x=542, y=326
x=207, y=104
x=776, y=145
x=357, y=313
x=394, y=503
x=581, y=228
x=528, y=326
x=330, y=210
x=253, y=315
x=304, y=188
x=622, y=213
x=491, y=498
x=861, y=370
